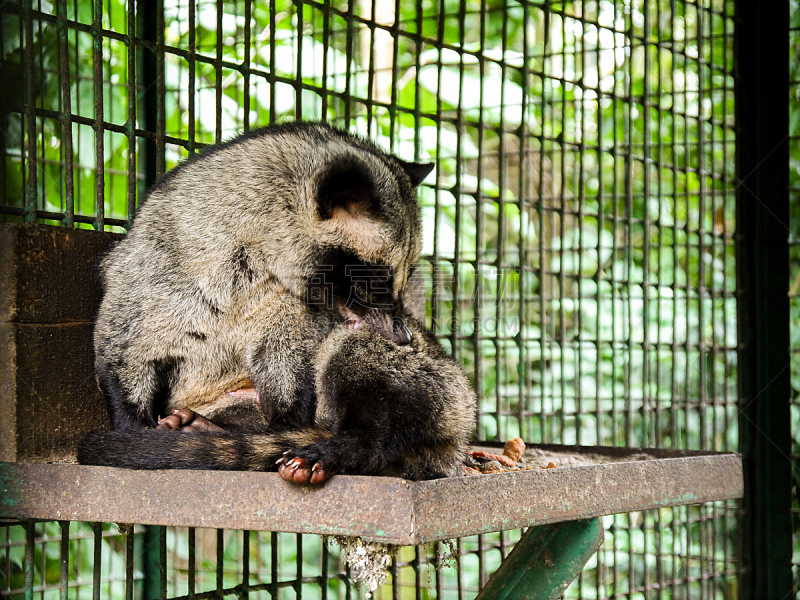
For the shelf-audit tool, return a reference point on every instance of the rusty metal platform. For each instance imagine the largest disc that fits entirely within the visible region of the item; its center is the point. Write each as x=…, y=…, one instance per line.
x=587, y=482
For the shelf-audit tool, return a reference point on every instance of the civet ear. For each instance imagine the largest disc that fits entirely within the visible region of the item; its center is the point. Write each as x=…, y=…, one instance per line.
x=416, y=172
x=346, y=183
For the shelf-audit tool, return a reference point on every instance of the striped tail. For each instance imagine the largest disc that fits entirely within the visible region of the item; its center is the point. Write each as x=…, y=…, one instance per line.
x=174, y=449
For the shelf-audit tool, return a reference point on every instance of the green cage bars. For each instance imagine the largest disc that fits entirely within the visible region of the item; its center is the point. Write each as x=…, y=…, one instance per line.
x=580, y=239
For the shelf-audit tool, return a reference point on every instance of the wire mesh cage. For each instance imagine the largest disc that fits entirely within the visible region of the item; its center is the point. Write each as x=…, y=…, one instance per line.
x=578, y=245
x=793, y=225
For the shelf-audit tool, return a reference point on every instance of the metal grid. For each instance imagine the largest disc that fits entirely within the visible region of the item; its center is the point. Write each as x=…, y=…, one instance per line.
x=794, y=277
x=579, y=249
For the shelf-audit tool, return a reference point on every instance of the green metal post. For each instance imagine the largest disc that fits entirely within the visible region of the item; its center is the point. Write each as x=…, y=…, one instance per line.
x=155, y=562
x=762, y=234
x=545, y=561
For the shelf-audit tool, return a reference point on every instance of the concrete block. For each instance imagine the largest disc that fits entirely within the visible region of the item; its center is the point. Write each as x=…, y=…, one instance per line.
x=49, y=294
